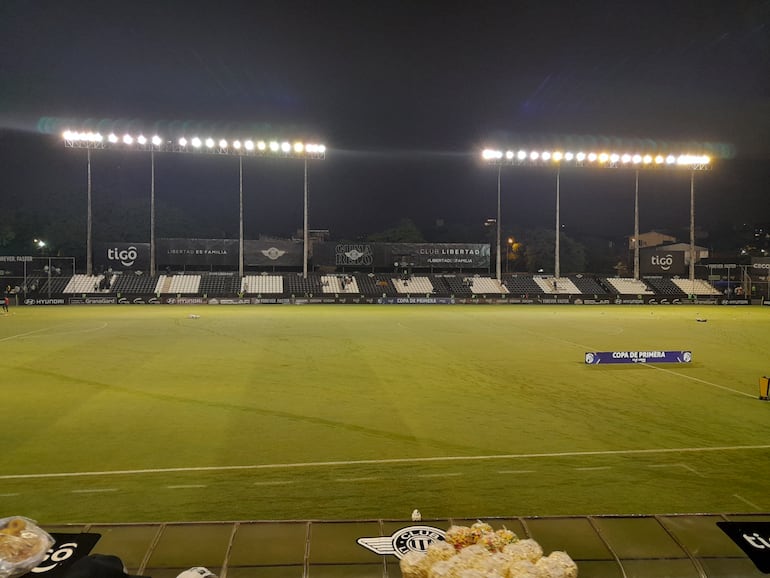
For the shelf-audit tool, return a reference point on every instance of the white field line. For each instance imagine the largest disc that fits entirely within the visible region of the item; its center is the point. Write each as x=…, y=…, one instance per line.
x=381, y=462
x=684, y=466
x=285, y=466
x=25, y=334
x=593, y=469
x=184, y=486
x=9, y=495
x=366, y=479
x=745, y=501
x=516, y=471
x=276, y=483
x=20, y=335
x=699, y=380
x=445, y=475
x=95, y=491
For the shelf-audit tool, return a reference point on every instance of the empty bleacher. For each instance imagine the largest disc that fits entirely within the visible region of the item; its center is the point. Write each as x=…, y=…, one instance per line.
x=588, y=285
x=666, y=287
x=414, y=285
x=84, y=284
x=552, y=285
x=486, y=286
x=367, y=285
x=262, y=285
x=219, y=284
x=522, y=285
x=458, y=286
x=628, y=286
x=188, y=284
x=134, y=284
x=697, y=287
x=297, y=285
x=339, y=284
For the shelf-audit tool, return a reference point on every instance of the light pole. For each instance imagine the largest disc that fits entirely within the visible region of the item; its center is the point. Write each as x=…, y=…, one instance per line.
x=89, y=226
x=583, y=159
x=497, y=269
x=195, y=145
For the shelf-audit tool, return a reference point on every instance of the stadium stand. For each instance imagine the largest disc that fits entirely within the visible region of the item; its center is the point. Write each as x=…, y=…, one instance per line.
x=262, y=285
x=628, y=286
x=414, y=285
x=53, y=285
x=665, y=287
x=587, y=285
x=295, y=284
x=219, y=284
x=458, y=286
x=136, y=284
x=385, y=285
x=697, y=287
x=522, y=285
x=339, y=284
x=84, y=284
x=487, y=286
x=562, y=285
x=367, y=284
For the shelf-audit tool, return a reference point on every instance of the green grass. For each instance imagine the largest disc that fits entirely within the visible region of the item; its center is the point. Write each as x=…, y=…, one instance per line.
x=349, y=412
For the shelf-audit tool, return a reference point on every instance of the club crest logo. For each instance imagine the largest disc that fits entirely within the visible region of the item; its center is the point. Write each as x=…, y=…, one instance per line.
x=403, y=541
x=273, y=253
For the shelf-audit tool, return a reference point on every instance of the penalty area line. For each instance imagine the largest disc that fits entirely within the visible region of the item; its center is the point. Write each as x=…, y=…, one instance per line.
x=699, y=380
x=650, y=451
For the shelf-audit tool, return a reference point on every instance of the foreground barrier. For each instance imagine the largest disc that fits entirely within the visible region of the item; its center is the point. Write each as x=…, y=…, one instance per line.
x=697, y=545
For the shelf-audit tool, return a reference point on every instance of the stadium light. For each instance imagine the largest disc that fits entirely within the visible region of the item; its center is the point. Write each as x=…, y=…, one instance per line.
x=195, y=144
x=598, y=158
x=601, y=159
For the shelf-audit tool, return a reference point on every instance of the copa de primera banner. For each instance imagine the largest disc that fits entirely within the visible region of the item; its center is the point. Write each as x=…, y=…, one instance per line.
x=604, y=357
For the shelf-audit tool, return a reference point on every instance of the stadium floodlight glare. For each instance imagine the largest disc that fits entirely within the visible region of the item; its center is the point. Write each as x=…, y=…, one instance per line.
x=195, y=144
x=603, y=159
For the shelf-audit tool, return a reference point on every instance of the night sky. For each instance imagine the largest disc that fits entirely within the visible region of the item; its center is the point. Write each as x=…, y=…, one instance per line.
x=404, y=94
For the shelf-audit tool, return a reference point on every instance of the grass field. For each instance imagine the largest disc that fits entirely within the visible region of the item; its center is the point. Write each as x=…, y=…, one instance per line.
x=141, y=413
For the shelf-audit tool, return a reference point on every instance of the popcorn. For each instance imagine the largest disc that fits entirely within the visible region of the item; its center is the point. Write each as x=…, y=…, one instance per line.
x=481, y=552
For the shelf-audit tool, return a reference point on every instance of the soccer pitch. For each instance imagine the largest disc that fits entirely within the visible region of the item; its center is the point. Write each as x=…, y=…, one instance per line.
x=144, y=413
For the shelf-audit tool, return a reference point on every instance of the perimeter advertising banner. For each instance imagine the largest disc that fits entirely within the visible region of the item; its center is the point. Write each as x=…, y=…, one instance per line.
x=197, y=252
x=603, y=357
x=418, y=255
x=122, y=256
x=14, y=264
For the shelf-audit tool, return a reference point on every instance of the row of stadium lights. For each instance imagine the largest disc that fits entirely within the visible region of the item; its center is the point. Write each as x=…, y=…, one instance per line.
x=198, y=143
x=592, y=157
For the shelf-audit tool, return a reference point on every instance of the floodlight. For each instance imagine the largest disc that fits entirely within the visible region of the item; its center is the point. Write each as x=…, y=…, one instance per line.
x=261, y=145
x=196, y=142
x=286, y=147
x=659, y=160
x=521, y=155
x=298, y=147
x=322, y=149
x=636, y=159
x=112, y=137
x=546, y=155
x=626, y=158
x=557, y=156
x=274, y=146
x=157, y=141
x=580, y=157
x=488, y=154
x=182, y=142
x=141, y=139
x=568, y=156
x=222, y=144
x=534, y=155
x=128, y=139
x=614, y=157
x=509, y=155
x=210, y=143
x=647, y=159
x=604, y=157
x=249, y=144
x=670, y=159
x=237, y=145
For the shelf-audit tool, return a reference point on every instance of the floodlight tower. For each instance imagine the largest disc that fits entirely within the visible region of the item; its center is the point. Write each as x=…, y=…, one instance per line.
x=613, y=160
x=248, y=147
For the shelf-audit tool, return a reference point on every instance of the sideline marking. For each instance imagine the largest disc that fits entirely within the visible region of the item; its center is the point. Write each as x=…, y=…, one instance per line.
x=516, y=471
x=593, y=469
x=356, y=479
x=25, y=334
x=680, y=465
x=181, y=486
x=745, y=501
x=699, y=380
x=276, y=483
x=9, y=495
x=96, y=490
x=384, y=461
x=446, y=475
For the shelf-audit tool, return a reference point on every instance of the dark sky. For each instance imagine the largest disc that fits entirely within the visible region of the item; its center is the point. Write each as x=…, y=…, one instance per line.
x=405, y=94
